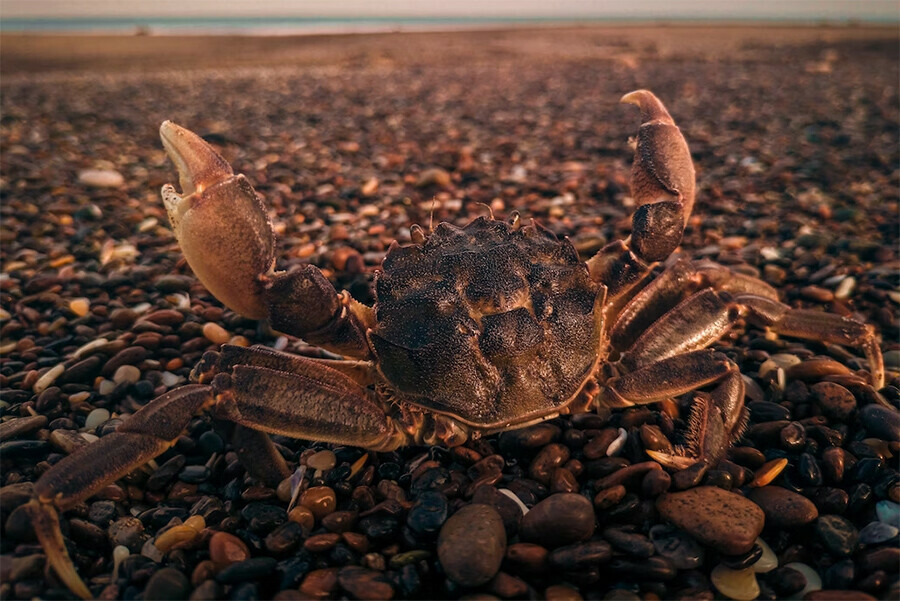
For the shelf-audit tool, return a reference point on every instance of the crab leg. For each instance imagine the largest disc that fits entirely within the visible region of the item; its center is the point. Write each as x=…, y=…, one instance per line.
x=227, y=238
x=717, y=418
x=662, y=184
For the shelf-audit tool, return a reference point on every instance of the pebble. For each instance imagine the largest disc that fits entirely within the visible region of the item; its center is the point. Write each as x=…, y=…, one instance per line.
x=323, y=460
x=79, y=306
x=813, y=581
x=768, y=472
x=254, y=568
x=95, y=418
x=428, y=513
x=47, y=380
x=126, y=374
x=362, y=583
x=735, y=584
x=215, y=333
x=166, y=584
x=881, y=422
x=723, y=520
x=580, y=556
x=784, y=508
x=838, y=534
x=127, y=532
x=683, y=551
x=888, y=512
x=836, y=402
x=101, y=178
x=875, y=533
x=768, y=561
x=320, y=500
x=179, y=536
x=226, y=549
x=560, y=519
x=471, y=545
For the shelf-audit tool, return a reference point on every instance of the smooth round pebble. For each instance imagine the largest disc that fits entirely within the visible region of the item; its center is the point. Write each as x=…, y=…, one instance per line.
x=323, y=460
x=95, y=418
x=735, y=584
x=215, y=333
x=126, y=373
x=471, y=545
x=560, y=519
x=838, y=534
x=226, y=549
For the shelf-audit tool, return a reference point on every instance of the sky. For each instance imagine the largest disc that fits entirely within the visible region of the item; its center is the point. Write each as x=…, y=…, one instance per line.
x=841, y=10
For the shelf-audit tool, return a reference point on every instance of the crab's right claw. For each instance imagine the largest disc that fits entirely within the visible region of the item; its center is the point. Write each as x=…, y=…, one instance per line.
x=220, y=222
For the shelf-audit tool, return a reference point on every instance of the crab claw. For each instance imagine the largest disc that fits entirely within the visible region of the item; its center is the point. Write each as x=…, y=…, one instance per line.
x=663, y=169
x=220, y=222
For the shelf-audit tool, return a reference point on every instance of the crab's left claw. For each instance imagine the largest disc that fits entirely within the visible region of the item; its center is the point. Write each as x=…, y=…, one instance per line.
x=221, y=224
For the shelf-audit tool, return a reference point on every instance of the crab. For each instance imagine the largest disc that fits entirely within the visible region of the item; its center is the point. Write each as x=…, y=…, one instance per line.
x=490, y=327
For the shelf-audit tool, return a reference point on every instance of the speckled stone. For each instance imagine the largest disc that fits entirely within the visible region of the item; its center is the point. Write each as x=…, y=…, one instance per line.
x=723, y=520
x=783, y=507
x=471, y=545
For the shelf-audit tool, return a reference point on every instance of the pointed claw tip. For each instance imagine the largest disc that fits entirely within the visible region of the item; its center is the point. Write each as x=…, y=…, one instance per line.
x=676, y=462
x=198, y=164
x=651, y=107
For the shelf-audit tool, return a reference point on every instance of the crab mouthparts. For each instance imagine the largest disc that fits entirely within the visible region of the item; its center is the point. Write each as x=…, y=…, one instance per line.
x=199, y=166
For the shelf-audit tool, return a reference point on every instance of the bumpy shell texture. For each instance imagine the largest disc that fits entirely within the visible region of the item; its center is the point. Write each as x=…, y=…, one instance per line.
x=489, y=323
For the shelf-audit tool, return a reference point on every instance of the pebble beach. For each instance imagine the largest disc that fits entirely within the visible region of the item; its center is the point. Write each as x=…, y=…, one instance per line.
x=351, y=140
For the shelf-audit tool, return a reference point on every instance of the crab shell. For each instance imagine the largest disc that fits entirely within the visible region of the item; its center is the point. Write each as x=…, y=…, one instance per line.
x=492, y=324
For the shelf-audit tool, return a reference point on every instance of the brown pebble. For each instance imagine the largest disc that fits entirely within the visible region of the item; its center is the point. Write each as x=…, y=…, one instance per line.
x=321, y=542
x=597, y=446
x=507, y=586
x=471, y=545
x=319, y=584
x=527, y=557
x=723, y=520
x=226, y=549
x=836, y=402
x=362, y=583
x=816, y=369
x=609, y=497
x=549, y=458
x=320, y=500
x=560, y=519
x=630, y=476
x=784, y=508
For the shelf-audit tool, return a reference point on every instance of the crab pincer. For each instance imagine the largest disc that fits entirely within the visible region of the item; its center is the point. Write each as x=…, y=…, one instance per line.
x=221, y=224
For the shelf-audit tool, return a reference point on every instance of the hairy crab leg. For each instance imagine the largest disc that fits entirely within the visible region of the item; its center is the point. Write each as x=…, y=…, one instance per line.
x=716, y=418
x=662, y=184
x=227, y=238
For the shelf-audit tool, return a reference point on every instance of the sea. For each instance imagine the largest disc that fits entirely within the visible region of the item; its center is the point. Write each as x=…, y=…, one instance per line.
x=267, y=26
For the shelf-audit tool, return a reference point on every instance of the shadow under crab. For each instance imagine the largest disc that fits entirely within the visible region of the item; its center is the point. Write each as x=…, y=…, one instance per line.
x=475, y=330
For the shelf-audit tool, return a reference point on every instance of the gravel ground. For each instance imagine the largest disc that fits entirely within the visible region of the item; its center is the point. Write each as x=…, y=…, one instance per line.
x=797, y=164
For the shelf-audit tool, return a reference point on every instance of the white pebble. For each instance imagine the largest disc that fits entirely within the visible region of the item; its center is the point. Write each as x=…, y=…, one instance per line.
x=141, y=308
x=768, y=561
x=106, y=387
x=89, y=437
x=127, y=373
x=49, y=378
x=169, y=379
x=323, y=460
x=845, y=288
x=813, y=580
x=84, y=349
x=735, y=584
x=119, y=554
x=95, y=418
x=618, y=444
x=148, y=224
x=101, y=178
x=515, y=498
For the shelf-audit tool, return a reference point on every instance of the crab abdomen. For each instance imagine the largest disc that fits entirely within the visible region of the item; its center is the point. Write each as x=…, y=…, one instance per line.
x=491, y=323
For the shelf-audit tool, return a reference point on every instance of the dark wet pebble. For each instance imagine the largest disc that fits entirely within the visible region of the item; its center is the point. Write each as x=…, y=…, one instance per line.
x=102, y=513
x=652, y=568
x=786, y=581
x=744, y=560
x=633, y=543
x=263, y=517
x=165, y=473
x=783, y=507
x=194, y=474
x=881, y=422
x=837, y=534
x=678, y=547
x=167, y=584
x=362, y=583
x=836, y=402
x=428, y=513
x=689, y=477
x=284, y=538
x=581, y=555
x=249, y=569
